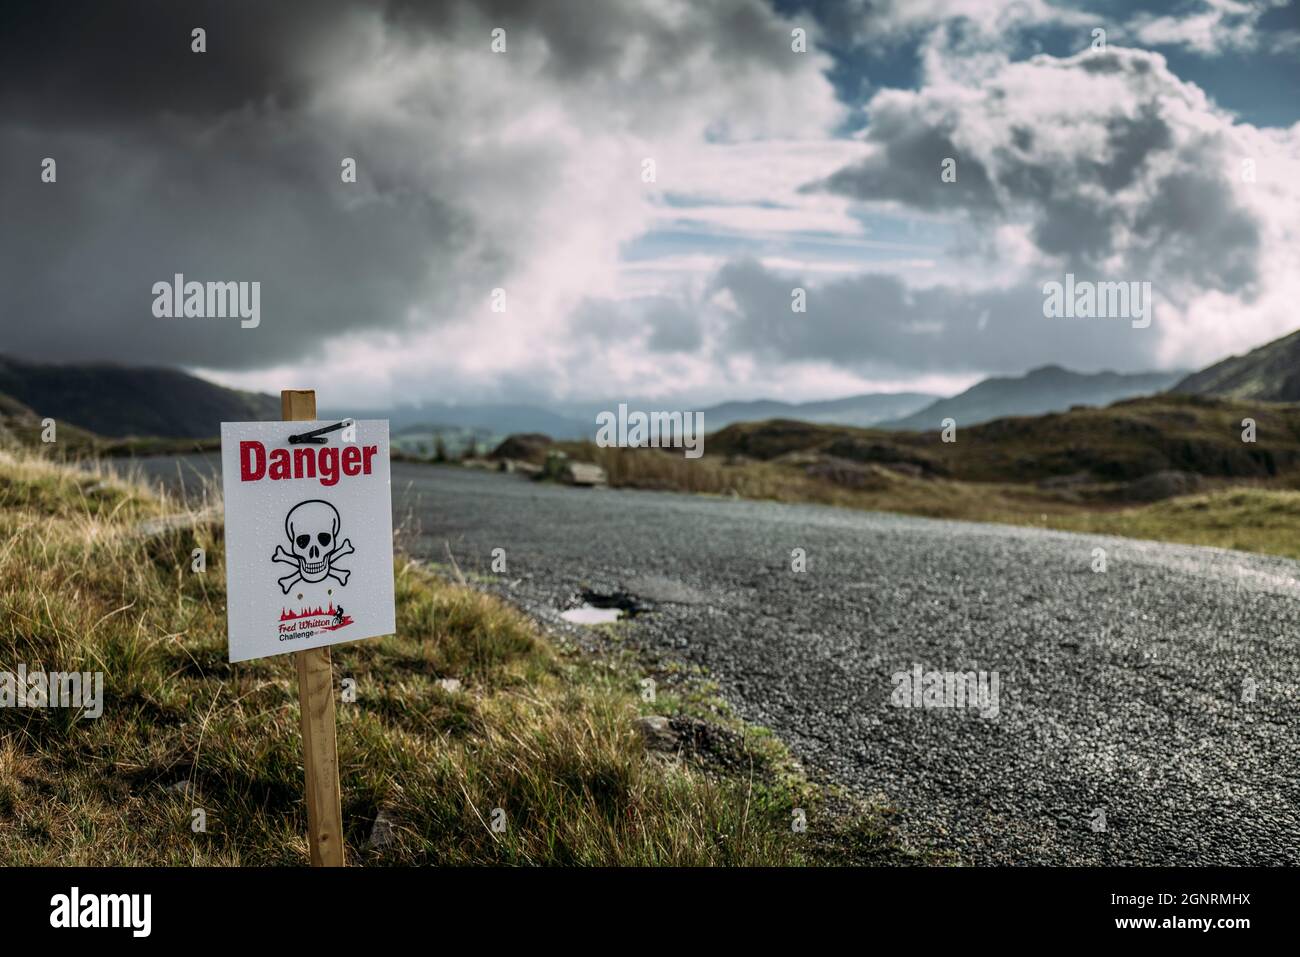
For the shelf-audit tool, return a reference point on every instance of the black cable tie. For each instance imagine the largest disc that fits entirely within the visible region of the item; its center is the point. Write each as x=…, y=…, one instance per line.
x=317, y=436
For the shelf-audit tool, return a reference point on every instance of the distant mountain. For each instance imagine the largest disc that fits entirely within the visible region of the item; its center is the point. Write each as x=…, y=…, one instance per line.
x=117, y=401
x=1270, y=373
x=1049, y=389
x=859, y=410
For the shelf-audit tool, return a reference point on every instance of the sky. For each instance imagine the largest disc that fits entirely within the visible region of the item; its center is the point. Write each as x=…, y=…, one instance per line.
x=622, y=200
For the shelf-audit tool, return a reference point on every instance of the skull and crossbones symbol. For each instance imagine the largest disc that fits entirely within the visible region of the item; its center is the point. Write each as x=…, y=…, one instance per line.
x=313, y=530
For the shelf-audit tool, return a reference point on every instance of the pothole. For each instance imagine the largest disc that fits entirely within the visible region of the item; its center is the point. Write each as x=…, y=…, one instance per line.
x=598, y=608
x=586, y=614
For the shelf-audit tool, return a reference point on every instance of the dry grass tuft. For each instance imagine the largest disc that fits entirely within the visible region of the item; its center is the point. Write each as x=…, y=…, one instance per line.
x=92, y=580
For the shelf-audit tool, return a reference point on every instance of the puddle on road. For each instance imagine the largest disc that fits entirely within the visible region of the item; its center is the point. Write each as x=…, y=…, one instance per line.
x=591, y=615
x=602, y=609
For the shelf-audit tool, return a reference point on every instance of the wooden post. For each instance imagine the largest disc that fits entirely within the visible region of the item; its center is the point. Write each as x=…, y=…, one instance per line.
x=320, y=759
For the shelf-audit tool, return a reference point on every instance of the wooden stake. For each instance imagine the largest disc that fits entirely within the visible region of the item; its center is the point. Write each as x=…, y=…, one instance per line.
x=320, y=757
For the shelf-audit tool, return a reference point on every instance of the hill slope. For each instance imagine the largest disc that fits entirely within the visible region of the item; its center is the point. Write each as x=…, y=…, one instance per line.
x=1040, y=391
x=118, y=401
x=1270, y=373
x=20, y=426
x=1127, y=440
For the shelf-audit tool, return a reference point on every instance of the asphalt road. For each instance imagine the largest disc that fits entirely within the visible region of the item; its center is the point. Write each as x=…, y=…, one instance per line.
x=1125, y=732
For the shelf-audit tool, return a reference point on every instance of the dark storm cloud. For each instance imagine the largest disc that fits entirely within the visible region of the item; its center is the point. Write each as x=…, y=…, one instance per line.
x=904, y=170
x=1200, y=231
x=105, y=62
x=875, y=324
x=224, y=165
x=82, y=255
x=101, y=64
x=171, y=161
x=586, y=39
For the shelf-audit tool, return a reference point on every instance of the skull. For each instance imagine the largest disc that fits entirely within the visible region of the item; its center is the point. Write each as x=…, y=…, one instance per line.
x=313, y=529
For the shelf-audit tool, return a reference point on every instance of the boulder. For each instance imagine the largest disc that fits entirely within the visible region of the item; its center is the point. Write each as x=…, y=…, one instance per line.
x=1158, y=486
x=657, y=732
x=583, y=473
x=854, y=475
x=524, y=446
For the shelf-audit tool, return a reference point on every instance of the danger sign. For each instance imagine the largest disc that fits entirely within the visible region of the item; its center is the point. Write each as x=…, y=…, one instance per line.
x=309, y=535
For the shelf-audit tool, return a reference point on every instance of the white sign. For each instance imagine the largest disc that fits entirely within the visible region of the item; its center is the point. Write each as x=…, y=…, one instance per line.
x=309, y=536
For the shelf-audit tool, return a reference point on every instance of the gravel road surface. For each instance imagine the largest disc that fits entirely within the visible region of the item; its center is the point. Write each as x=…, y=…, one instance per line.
x=1145, y=714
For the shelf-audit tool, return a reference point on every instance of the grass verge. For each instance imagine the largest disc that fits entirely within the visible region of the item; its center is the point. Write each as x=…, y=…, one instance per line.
x=92, y=578
x=1250, y=514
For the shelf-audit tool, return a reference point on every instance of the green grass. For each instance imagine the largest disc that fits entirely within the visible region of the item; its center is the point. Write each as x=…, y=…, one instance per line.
x=543, y=732
x=1249, y=519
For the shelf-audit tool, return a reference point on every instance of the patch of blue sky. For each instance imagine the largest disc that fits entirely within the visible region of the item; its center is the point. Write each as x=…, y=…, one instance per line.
x=1261, y=85
x=905, y=230
x=1262, y=89
x=695, y=201
x=895, y=241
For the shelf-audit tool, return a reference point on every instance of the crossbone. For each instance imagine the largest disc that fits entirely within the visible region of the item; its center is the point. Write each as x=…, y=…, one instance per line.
x=339, y=574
